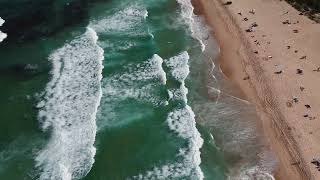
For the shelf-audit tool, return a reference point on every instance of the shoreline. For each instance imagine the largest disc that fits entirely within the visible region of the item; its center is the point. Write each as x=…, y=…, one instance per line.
x=248, y=70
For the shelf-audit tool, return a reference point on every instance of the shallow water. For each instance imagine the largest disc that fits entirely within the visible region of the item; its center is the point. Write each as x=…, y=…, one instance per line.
x=132, y=94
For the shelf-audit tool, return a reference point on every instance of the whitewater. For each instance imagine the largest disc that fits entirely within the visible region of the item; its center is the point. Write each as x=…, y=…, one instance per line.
x=2, y=35
x=181, y=121
x=69, y=109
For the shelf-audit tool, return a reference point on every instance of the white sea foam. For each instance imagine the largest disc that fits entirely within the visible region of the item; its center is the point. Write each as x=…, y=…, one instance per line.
x=139, y=81
x=147, y=94
x=262, y=170
x=69, y=109
x=1, y=21
x=179, y=66
x=124, y=21
x=254, y=173
x=181, y=121
x=148, y=70
x=158, y=64
x=2, y=35
x=179, y=94
x=119, y=45
x=196, y=23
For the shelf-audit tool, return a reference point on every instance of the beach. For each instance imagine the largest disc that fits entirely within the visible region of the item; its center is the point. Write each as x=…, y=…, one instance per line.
x=271, y=52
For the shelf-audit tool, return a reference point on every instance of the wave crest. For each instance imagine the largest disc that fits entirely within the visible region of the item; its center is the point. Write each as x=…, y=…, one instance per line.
x=2, y=35
x=181, y=121
x=69, y=109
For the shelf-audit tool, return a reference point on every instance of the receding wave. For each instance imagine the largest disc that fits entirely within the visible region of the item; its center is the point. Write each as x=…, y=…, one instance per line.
x=2, y=35
x=181, y=120
x=69, y=108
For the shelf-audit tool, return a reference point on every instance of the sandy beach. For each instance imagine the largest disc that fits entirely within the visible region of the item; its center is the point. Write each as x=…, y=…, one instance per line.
x=271, y=52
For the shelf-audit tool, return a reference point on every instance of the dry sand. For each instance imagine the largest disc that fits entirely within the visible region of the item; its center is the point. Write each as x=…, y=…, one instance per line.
x=251, y=60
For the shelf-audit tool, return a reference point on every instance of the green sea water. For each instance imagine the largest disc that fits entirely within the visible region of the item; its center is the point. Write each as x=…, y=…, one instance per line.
x=129, y=93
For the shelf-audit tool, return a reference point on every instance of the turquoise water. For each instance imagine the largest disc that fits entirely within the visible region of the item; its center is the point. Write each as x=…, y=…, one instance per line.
x=130, y=93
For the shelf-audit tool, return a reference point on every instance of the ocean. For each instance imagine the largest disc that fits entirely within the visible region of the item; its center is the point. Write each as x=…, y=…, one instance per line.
x=130, y=92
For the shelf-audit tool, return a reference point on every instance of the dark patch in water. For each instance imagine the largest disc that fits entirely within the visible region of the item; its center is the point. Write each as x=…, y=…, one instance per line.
x=28, y=20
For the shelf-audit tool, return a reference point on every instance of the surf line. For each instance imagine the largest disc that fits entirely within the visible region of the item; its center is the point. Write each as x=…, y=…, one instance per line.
x=196, y=24
x=68, y=109
x=181, y=121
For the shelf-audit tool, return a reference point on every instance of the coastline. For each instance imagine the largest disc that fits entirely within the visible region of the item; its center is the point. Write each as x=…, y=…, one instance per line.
x=252, y=66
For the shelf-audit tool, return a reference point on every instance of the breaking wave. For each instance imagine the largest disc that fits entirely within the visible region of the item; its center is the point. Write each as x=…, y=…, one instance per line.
x=181, y=120
x=179, y=66
x=197, y=26
x=140, y=82
x=179, y=70
x=2, y=35
x=129, y=84
x=69, y=109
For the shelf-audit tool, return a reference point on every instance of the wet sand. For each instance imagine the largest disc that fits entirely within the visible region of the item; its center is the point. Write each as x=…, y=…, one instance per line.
x=272, y=54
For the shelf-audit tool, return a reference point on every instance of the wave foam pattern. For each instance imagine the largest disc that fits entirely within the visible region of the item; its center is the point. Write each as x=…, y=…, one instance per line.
x=129, y=84
x=181, y=121
x=179, y=66
x=179, y=94
x=69, y=109
x=179, y=70
x=140, y=82
x=124, y=21
x=254, y=173
x=197, y=26
x=2, y=35
x=123, y=30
